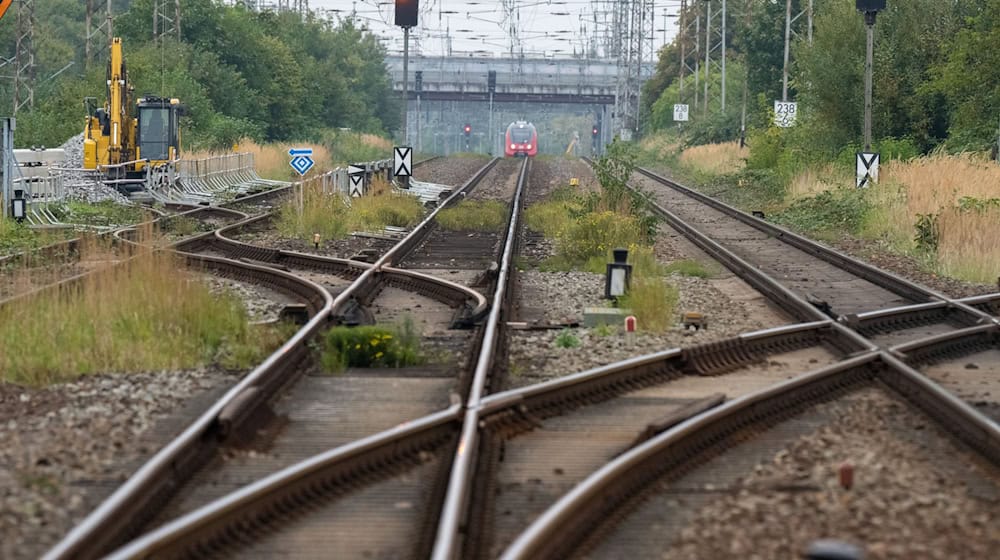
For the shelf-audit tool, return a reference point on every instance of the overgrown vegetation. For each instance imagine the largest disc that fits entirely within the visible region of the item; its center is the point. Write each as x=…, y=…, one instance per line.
x=371, y=346
x=149, y=314
x=15, y=237
x=105, y=213
x=586, y=228
x=566, y=339
x=650, y=297
x=935, y=103
x=334, y=215
x=473, y=215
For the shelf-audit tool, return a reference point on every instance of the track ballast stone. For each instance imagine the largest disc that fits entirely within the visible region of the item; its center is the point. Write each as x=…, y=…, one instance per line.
x=906, y=502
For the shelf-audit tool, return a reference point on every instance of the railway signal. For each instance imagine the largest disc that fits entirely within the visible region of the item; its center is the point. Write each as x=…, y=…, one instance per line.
x=491, y=81
x=467, y=129
x=406, y=12
x=595, y=131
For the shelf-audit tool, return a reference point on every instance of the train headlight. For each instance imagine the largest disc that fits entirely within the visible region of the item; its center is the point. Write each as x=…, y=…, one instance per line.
x=513, y=146
x=529, y=146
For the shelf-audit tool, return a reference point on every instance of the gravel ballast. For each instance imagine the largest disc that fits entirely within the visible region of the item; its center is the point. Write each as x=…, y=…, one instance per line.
x=915, y=494
x=559, y=298
x=68, y=446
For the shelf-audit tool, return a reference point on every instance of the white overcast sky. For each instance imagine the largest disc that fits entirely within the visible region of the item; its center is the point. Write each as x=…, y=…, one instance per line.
x=549, y=27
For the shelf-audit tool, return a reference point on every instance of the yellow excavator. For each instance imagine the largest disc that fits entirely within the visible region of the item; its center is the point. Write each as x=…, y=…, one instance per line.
x=123, y=137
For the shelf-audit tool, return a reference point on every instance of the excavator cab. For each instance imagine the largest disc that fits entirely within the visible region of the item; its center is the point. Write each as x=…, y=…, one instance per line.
x=158, y=139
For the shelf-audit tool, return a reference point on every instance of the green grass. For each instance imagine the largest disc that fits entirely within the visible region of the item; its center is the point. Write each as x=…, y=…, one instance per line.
x=650, y=297
x=106, y=213
x=687, y=267
x=832, y=212
x=149, y=315
x=566, y=339
x=334, y=217
x=473, y=215
x=15, y=237
x=371, y=346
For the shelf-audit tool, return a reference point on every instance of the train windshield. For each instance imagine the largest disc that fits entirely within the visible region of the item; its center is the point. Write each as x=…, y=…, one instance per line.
x=520, y=135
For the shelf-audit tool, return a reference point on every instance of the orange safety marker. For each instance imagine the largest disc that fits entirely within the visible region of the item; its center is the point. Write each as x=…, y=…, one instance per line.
x=4, y=4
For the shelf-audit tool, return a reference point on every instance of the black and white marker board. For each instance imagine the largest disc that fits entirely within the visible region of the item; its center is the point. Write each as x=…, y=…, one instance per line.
x=402, y=161
x=867, y=169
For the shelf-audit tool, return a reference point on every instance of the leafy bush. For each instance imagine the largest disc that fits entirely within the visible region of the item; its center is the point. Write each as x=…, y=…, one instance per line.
x=839, y=210
x=371, y=346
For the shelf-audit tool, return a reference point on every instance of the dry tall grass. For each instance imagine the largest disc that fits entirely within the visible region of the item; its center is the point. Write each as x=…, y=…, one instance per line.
x=940, y=180
x=715, y=159
x=813, y=181
x=333, y=215
x=147, y=314
x=661, y=146
x=968, y=240
x=969, y=244
x=271, y=160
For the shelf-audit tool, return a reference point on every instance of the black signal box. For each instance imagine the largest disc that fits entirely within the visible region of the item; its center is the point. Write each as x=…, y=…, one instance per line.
x=406, y=12
x=870, y=5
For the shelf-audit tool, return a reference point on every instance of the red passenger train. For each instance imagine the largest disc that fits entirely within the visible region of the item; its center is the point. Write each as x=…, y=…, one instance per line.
x=521, y=139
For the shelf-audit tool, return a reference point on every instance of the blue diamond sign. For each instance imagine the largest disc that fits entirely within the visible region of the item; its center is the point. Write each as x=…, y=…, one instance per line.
x=301, y=162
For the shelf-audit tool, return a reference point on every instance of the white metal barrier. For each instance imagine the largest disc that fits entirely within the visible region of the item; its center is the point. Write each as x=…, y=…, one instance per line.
x=209, y=179
x=40, y=182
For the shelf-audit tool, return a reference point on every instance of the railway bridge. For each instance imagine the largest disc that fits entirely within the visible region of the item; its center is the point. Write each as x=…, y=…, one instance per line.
x=447, y=92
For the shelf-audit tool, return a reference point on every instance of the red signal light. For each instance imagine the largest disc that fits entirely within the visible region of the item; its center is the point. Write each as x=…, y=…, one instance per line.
x=468, y=129
x=594, y=132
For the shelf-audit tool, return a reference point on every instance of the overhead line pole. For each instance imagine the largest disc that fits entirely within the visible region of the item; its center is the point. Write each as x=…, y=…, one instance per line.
x=788, y=36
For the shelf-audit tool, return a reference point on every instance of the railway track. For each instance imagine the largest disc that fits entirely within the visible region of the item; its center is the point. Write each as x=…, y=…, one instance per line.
x=247, y=406
x=515, y=454
x=656, y=481
x=61, y=262
x=834, y=283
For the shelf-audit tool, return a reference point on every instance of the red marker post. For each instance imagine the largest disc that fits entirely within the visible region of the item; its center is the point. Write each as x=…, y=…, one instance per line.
x=630, y=324
x=846, y=472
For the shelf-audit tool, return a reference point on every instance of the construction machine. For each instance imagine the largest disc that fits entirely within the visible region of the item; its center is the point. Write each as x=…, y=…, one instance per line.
x=126, y=135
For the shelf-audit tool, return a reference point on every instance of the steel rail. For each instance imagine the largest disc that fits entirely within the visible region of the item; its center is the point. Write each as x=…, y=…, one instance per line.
x=457, y=495
x=440, y=289
x=252, y=507
x=861, y=269
x=116, y=236
x=713, y=358
x=960, y=342
x=565, y=525
x=122, y=514
x=73, y=245
x=210, y=522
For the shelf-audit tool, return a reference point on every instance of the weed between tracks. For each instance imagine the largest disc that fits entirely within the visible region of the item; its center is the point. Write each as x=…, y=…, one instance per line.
x=334, y=216
x=587, y=227
x=147, y=314
x=371, y=346
x=473, y=215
